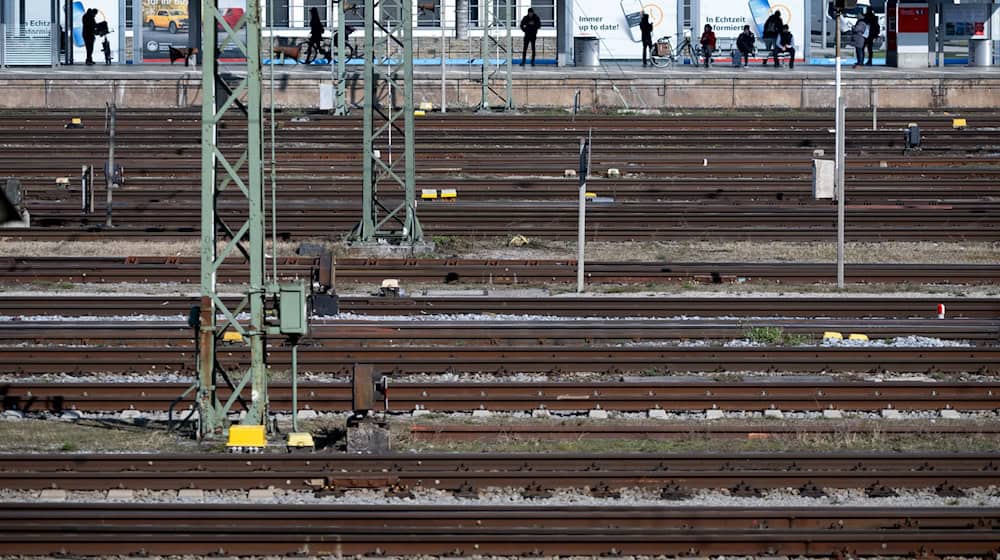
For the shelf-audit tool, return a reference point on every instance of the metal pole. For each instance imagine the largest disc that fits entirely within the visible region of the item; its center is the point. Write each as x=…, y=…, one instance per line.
x=274, y=170
x=341, y=104
x=582, y=213
x=484, y=52
x=110, y=175
x=825, y=17
x=839, y=166
x=444, y=103
x=509, y=91
x=209, y=417
x=83, y=189
x=874, y=109
x=295, y=386
x=257, y=415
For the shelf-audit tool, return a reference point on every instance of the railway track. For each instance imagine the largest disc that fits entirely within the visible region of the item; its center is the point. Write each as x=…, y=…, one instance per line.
x=613, y=222
x=737, y=197
x=450, y=433
x=324, y=472
x=169, y=529
x=346, y=334
x=506, y=360
x=853, y=307
x=626, y=395
x=523, y=272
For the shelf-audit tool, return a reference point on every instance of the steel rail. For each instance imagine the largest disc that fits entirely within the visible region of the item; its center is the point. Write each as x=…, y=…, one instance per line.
x=625, y=395
x=848, y=307
x=659, y=431
x=92, y=529
x=529, y=330
x=471, y=479
x=504, y=360
x=484, y=271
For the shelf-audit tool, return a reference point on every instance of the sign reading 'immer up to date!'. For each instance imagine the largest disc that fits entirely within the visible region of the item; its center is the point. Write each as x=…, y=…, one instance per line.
x=616, y=24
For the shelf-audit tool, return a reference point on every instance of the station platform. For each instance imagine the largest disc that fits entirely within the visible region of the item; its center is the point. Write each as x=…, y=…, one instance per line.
x=611, y=86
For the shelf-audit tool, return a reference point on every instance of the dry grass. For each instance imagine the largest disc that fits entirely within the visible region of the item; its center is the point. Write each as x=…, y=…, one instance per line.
x=745, y=251
x=87, y=436
x=651, y=251
x=872, y=439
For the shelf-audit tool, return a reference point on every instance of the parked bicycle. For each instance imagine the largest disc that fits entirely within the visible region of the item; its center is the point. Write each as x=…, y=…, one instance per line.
x=663, y=53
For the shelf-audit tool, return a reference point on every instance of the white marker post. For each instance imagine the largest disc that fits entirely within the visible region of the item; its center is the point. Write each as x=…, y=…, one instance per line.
x=839, y=175
x=582, y=218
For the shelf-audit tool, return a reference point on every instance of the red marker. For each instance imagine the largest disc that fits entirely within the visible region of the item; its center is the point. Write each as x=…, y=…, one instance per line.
x=940, y=311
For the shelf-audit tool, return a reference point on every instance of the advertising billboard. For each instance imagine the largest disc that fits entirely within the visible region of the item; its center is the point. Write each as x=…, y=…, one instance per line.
x=616, y=24
x=727, y=18
x=165, y=24
x=107, y=19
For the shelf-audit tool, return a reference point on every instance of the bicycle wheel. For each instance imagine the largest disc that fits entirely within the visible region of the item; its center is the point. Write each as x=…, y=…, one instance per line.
x=661, y=61
x=306, y=49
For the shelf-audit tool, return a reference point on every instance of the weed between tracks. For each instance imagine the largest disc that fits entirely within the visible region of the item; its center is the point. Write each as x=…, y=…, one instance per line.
x=111, y=436
x=86, y=436
x=874, y=440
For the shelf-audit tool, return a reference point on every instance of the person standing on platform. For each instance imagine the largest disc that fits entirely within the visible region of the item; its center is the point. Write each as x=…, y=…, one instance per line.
x=646, y=27
x=707, y=43
x=859, y=36
x=89, y=30
x=772, y=28
x=871, y=20
x=530, y=24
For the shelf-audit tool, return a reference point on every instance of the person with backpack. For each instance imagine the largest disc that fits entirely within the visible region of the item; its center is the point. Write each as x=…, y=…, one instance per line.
x=89, y=22
x=871, y=20
x=745, y=44
x=646, y=27
x=772, y=29
x=859, y=36
x=316, y=30
x=530, y=24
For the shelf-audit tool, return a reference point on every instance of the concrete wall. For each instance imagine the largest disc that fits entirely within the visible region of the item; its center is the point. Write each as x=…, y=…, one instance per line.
x=464, y=91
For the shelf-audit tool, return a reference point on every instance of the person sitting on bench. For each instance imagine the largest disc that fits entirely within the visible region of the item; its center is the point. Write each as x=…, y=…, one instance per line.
x=785, y=45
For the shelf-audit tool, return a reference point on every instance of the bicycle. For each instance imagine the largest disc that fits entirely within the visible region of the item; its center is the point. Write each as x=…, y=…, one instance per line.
x=312, y=52
x=663, y=54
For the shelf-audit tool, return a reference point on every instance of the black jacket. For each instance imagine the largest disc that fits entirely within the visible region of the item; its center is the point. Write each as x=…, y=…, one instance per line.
x=89, y=22
x=646, y=27
x=773, y=25
x=530, y=24
x=873, y=27
x=316, y=28
x=745, y=42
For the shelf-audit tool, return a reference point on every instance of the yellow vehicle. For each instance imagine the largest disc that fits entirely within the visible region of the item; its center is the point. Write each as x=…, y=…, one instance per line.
x=172, y=20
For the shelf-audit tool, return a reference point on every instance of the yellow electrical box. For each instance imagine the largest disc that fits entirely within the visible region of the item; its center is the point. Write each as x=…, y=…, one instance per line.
x=449, y=193
x=75, y=122
x=428, y=194
x=419, y=113
x=832, y=335
x=590, y=195
x=232, y=336
x=299, y=440
x=246, y=436
x=857, y=336
x=958, y=123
